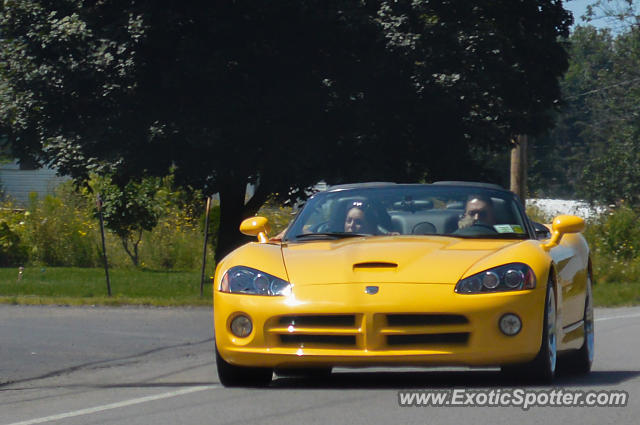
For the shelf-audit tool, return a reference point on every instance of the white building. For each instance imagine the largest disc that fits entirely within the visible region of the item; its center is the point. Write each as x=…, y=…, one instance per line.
x=17, y=184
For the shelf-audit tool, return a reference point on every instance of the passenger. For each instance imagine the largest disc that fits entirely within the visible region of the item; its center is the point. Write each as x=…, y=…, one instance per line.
x=478, y=210
x=359, y=219
x=367, y=218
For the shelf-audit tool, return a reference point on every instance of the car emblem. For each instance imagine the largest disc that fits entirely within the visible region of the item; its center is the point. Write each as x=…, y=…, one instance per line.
x=371, y=290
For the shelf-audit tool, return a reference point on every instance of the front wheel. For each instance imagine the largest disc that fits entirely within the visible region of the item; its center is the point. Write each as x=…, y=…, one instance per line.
x=240, y=376
x=580, y=361
x=543, y=367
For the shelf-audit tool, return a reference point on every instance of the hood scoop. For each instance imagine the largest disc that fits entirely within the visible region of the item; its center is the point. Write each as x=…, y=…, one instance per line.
x=375, y=265
x=392, y=259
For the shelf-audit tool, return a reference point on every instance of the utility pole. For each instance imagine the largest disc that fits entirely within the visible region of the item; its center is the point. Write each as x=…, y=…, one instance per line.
x=204, y=248
x=104, y=247
x=519, y=167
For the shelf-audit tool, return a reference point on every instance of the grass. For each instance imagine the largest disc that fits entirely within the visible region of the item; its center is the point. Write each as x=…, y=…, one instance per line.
x=87, y=286
x=616, y=294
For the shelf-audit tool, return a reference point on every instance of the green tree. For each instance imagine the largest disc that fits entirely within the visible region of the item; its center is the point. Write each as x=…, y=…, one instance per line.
x=618, y=14
x=129, y=211
x=277, y=94
x=613, y=133
x=559, y=157
x=595, y=146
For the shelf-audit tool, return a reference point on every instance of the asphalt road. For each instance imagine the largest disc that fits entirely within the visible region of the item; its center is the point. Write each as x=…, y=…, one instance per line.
x=155, y=366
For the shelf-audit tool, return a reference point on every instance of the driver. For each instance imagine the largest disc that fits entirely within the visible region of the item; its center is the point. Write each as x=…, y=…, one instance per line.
x=479, y=210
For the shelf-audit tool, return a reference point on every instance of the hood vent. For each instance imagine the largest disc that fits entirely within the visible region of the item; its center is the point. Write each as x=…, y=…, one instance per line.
x=375, y=265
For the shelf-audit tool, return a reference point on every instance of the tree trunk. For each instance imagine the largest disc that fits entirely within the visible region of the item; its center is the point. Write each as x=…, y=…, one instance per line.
x=132, y=255
x=232, y=212
x=135, y=258
x=234, y=209
x=519, y=168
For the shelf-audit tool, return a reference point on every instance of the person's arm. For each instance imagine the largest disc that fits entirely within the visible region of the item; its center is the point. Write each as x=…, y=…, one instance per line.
x=465, y=221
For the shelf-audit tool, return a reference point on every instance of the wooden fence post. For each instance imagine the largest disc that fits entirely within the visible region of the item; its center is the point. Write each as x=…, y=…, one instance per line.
x=204, y=247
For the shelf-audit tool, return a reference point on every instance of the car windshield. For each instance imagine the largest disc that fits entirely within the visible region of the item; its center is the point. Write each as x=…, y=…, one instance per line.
x=447, y=210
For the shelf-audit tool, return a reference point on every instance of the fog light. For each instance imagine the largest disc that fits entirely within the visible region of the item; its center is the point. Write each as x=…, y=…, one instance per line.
x=510, y=324
x=241, y=326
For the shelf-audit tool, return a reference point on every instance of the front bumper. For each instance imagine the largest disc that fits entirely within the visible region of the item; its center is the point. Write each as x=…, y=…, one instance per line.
x=403, y=324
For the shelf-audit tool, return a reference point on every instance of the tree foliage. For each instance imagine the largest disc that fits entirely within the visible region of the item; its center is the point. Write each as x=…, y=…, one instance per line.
x=129, y=211
x=617, y=14
x=611, y=173
x=278, y=94
x=593, y=150
x=557, y=159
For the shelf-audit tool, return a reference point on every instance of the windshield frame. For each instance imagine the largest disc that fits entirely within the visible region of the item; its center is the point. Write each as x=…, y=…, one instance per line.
x=295, y=228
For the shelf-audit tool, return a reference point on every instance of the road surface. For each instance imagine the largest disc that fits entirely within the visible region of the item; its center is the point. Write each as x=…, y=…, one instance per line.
x=70, y=365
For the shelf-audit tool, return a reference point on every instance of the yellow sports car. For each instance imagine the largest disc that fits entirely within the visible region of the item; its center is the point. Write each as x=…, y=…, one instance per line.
x=449, y=273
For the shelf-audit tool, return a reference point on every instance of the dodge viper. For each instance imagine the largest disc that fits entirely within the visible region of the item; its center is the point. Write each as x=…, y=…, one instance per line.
x=384, y=274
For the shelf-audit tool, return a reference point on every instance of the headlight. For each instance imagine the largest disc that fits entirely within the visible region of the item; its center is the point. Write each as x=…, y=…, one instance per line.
x=510, y=277
x=245, y=280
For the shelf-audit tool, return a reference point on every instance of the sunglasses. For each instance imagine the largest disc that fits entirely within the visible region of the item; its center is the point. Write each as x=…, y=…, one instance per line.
x=481, y=214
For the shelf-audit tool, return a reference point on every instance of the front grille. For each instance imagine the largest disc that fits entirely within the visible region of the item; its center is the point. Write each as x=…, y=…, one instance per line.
x=425, y=319
x=368, y=331
x=314, y=330
x=428, y=339
x=343, y=340
x=319, y=321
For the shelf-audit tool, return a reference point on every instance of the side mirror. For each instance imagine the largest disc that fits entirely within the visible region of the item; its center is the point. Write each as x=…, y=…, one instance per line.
x=563, y=224
x=256, y=226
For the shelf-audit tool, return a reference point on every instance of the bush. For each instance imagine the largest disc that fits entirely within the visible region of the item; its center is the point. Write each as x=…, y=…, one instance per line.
x=176, y=242
x=12, y=252
x=617, y=234
x=63, y=230
x=614, y=240
x=58, y=233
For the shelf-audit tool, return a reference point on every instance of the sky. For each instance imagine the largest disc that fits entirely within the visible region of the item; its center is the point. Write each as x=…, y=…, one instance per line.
x=578, y=7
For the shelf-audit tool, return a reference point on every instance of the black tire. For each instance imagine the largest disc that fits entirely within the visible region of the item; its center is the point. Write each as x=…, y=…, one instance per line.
x=580, y=361
x=543, y=368
x=305, y=373
x=239, y=376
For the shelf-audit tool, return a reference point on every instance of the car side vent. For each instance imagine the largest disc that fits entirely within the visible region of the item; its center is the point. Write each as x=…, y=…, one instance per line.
x=374, y=265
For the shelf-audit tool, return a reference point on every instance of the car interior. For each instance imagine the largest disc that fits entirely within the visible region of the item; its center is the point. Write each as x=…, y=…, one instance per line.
x=419, y=217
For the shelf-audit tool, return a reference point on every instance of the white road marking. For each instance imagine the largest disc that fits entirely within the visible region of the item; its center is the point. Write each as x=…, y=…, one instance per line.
x=118, y=405
x=623, y=316
x=177, y=393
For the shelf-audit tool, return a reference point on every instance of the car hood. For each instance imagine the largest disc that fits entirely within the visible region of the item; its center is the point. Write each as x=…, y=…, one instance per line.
x=401, y=259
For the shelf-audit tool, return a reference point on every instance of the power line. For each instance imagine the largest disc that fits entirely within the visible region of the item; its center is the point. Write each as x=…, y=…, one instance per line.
x=603, y=88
